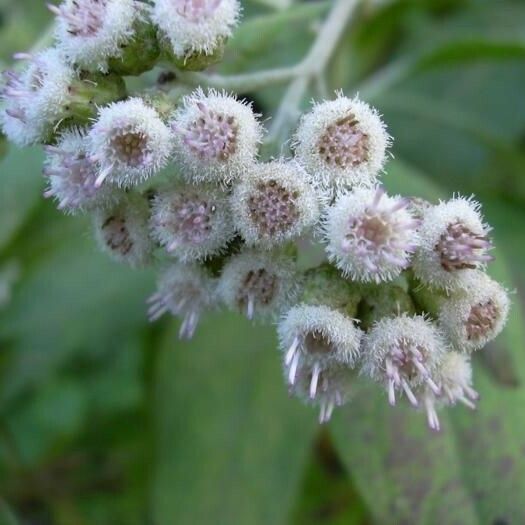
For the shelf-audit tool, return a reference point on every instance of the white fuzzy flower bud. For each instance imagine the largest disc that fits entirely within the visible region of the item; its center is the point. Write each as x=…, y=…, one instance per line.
x=454, y=378
x=184, y=291
x=72, y=174
x=403, y=353
x=216, y=137
x=370, y=236
x=258, y=284
x=121, y=230
x=333, y=387
x=90, y=32
x=195, y=26
x=36, y=99
x=342, y=143
x=454, y=239
x=314, y=340
x=192, y=222
x=274, y=204
x=130, y=143
x=473, y=317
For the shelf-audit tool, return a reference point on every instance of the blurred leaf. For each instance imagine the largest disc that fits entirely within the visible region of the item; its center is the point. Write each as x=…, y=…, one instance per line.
x=328, y=496
x=73, y=299
x=231, y=446
x=450, y=99
x=22, y=185
x=6, y=516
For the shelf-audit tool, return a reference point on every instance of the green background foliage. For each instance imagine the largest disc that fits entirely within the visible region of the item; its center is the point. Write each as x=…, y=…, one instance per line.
x=105, y=419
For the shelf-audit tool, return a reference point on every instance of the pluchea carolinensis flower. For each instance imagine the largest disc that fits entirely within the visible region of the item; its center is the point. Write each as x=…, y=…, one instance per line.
x=258, y=284
x=36, y=98
x=130, y=143
x=327, y=388
x=403, y=353
x=454, y=239
x=317, y=338
x=274, y=203
x=184, y=291
x=370, y=236
x=89, y=32
x=342, y=143
x=121, y=230
x=216, y=137
x=192, y=222
x=454, y=377
x=195, y=26
x=72, y=174
x=476, y=315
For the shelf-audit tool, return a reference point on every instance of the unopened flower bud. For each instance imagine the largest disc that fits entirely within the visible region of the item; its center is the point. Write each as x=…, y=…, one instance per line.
x=72, y=174
x=342, y=143
x=370, y=236
x=95, y=34
x=184, y=291
x=130, y=143
x=324, y=286
x=258, y=284
x=121, y=230
x=454, y=239
x=402, y=353
x=192, y=222
x=195, y=29
x=216, y=137
x=274, y=204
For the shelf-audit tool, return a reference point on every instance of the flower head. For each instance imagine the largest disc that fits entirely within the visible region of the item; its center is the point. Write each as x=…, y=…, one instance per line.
x=403, y=353
x=36, y=99
x=454, y=378
x=121, y=230
x=342, y=143
x=454, y=239
x=130, y=143
x=72, y=174
x=259, y=284
x=195, y=26
x=184, y=291
x=476, y=315
x=216, y=136
x=274, y=204
x=371, y=236
x=90, y=32
x=316, y=338
x=192, y=222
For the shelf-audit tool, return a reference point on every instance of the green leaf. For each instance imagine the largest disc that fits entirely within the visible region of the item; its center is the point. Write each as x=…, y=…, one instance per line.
x=231, y=445
x=22, y=186
x=6, y=516
x=71, y=300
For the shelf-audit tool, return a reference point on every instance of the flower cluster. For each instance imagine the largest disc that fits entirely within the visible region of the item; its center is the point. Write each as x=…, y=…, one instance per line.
x=402, y=298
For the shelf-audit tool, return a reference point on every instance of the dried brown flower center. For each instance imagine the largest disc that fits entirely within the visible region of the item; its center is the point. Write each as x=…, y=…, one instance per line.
x=130, y=148
x=272, y=208
x=259, y=285
x=344, y=144
x=481, y=320
x=116, y=235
